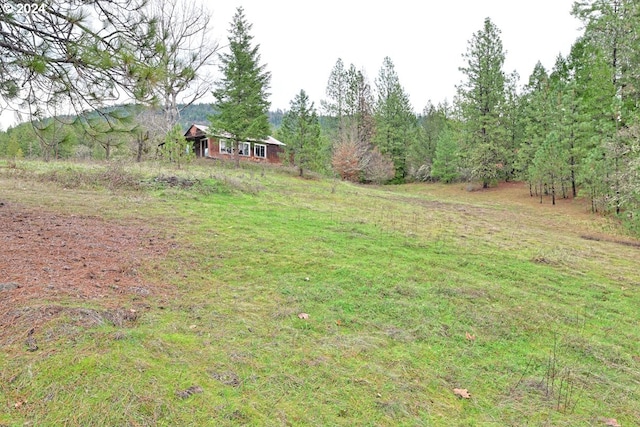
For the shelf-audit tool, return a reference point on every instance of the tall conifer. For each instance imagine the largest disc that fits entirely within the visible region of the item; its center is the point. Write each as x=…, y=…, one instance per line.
x=482, y=99
x=241, y=95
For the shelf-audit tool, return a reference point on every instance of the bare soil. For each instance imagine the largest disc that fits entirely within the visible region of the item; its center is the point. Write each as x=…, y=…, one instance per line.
x=84, y=267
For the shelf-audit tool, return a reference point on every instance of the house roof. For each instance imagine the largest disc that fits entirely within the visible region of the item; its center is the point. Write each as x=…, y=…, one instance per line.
x=205, y=130
x=200, y=130
x=271, y=140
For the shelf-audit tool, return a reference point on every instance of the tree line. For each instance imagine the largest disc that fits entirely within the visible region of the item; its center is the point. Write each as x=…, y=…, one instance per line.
x=572, y=130
x=567, y=131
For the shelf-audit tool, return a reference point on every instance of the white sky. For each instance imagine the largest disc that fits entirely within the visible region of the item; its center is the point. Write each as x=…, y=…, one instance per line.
x=300, y=41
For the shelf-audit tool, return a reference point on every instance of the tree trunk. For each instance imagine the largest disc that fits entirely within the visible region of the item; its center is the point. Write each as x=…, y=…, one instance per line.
x=139, y=153
x=541, y=192
x=234, y=153
x=572, y=162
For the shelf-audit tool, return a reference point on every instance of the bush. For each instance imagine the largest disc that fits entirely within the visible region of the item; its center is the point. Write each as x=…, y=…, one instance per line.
x=378, y=168
x=346, y=160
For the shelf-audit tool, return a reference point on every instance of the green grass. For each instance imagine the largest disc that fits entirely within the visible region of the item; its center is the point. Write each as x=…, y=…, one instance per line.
x=393, y=279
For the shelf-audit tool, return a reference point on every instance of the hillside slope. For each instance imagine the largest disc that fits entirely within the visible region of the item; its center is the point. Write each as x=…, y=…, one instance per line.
x=250, y=296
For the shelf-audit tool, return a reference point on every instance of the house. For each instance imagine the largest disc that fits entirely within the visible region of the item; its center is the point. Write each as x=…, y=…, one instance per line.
x=217, y=145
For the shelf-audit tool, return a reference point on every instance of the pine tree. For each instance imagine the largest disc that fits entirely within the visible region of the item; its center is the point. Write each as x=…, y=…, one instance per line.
x=334, y=106
x=549, y=167
x=482, y=98
x=445, y=162
x=13, y=149
x=536, y=123
x=564, y=116
x=80, y=54
x=350, y=106
x=420, y=156
x=395, y=122
x=301, y=132
x=594, y=113
x=241, y=95
x=512, y=120
x=612, y=30
x=358, y=123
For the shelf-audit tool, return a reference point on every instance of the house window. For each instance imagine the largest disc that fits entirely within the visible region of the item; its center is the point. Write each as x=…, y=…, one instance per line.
x=260, y=150
x=225, y=147
x=244, y=148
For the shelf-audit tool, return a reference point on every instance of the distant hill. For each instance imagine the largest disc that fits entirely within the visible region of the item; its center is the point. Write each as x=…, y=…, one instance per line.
x=196, y=113
x=199, y=113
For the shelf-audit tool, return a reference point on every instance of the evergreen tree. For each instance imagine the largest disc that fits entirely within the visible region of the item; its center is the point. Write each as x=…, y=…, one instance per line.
x=595, y=114
x=512, y=119
x=55, y=138
x=301, y=132
x=62, y=54
x=395, y=122
x=445, y=163
x=433, y=121
x=612, y=30
x=336, y=91
x=176, y=149
x=358, y=123
x=241, y=95
x=482, y=99
x=350, y=105
x=564, y=118
x=28, y=142
x=549, y=167
x=13, y=149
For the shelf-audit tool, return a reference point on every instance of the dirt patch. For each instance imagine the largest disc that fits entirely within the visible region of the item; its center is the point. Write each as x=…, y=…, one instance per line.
x=51, y=262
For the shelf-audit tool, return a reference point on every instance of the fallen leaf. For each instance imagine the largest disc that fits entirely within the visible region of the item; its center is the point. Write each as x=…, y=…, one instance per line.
x=612, y=422
x=338, y=322
x=462, y=392
x=304, y=316
x=470, y=337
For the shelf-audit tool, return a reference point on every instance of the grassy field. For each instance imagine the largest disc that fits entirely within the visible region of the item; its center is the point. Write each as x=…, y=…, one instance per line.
x=409, y=293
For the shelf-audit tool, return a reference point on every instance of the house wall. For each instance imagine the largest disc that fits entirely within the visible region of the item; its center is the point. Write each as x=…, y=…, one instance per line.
x=195, y=137
x=193, y=131
x=273, y=153
x=199, y=147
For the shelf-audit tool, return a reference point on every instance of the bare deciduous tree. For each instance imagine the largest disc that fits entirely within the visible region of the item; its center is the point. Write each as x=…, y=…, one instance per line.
x=180, y=55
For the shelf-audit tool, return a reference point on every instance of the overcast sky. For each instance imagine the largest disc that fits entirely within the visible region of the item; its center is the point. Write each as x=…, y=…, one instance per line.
x=300, y=41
